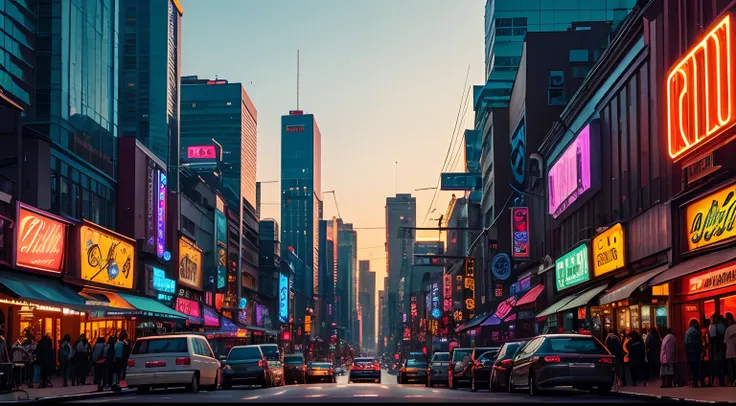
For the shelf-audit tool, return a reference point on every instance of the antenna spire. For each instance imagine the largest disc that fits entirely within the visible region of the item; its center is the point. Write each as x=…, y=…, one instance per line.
x=297, y=79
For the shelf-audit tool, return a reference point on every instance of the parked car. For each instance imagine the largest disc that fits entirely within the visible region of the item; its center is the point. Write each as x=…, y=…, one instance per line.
x=501, y=369
x=276, y=372
x=320, y=372
x=246, y=364
x=172, y=360
x=480, y=368
x=365, y=369
x=340, y=370
x=437, y=371
x=295, y=369
x=460, y=360
x=554, y=360
x=413, y=370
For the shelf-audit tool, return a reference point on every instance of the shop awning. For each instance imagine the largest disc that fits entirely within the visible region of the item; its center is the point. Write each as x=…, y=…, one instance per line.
x=625, y=288
x=556, y=306
x=530, y=296
x=472, y=323
x=104, y=299
x=152, y=307
x=491, y=321
x=583, y=298
x=34, y=288
x=694, y=265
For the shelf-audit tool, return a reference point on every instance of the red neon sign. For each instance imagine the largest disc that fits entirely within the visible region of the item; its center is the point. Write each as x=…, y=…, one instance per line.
x=700, y=96
x=202, y=152
x=40, y=241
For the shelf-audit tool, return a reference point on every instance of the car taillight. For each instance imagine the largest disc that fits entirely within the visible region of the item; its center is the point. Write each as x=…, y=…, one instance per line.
x=131, y=363
x=332, y=371
x=155, y=364
x=552, y=359
x=606, y=360
x=377, y=366
x=506, y=362
x=358, y=367
x=183, y=361
x=261, y=364
x=302, y=367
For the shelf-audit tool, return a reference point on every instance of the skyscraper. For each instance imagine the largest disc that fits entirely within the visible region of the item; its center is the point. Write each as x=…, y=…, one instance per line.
x=328, y=258
x=508, y=21
x=366, y=298
x=347, y=262
x=150, y=49
x=401, y=211
x=18, y=28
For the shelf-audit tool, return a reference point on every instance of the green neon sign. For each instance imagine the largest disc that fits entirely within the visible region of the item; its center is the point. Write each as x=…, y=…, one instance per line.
x=572, y=268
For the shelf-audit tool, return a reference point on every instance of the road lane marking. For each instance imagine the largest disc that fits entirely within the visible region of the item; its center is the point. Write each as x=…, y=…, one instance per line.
x=318, y=395
x=413, y=396
x=366, y=395
x=435, y=391
x=314, y=387
x=279, y=393
x=251, y=398
x=341, y=386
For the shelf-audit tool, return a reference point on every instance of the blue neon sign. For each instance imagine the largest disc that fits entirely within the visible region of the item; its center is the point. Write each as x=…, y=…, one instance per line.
x=283, y=298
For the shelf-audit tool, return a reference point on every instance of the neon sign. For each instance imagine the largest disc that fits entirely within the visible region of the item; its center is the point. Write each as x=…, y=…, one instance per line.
x=202, y=152
x=283, y=298
x=161, y=215
x=447, y=292
x=188, y=307
x=520, y=232
x=569, y=177
x=700, y=93
x=41, y=241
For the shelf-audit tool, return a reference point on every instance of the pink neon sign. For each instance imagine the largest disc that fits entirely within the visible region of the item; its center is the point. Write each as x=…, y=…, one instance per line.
x=202, y=152
x=569, y=177
x=188, y=307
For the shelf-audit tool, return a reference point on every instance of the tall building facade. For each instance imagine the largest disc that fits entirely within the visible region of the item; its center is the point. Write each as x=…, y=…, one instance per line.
x=150, y=55
x=76, y=102
x=18, y=27
x=401, y=211
x=301, y=194
x=366, y=298
x=508, y=21
x=347, y=262
x=328, y=275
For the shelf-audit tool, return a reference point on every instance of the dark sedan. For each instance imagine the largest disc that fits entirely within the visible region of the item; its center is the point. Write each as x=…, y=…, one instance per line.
x=245, y=365
x=437, y=371
x=554, y=360
x=365, y=369
x=295, y=370
x=320, y=372
x=414, y=370
x=480, y=370
x=501, y=369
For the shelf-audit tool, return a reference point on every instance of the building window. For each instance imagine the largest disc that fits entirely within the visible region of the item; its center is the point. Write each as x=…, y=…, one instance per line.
x=579, y=71
x=504, y=22
x=578, y=55
x=556, y=97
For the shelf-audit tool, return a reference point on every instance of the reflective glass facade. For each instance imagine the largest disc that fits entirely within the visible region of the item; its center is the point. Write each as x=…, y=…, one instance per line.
x=151, y=60
x=17, y=44
x=225, y=113
x=76, y=104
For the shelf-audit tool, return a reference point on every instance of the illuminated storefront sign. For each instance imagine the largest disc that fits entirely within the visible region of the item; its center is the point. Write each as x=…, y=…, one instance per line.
x=190, y=264
x=161, y=215
x=40, y=240
x=569, y=177
x=189, y=307
x=150, y=211
x=106, y=257
x=520, y=232
x=609, y=250
x=447, y=292
x=435, y=302
x=211, y=318
x=221, y=247
x=413, y=307
x=283, y=298
x=700, y=94
x=202, y=152
x=721, y=277
x=159, y=285
x=711, y=219
x=505, y=308
x=572, y=268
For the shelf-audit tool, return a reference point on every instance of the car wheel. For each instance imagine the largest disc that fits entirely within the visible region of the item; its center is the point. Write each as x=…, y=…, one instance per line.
x=194, y=385
x=603, y=390
x=428, y=384
x=533, y=390
x=144, y=389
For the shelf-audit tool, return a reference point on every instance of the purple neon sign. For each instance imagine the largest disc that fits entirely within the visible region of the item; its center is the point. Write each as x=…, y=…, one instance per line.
x=569, y=177
x=161, y=214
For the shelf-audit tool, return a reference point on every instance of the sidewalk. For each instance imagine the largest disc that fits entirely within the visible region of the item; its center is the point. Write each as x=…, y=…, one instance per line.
x=59, y=393
x=682, y=394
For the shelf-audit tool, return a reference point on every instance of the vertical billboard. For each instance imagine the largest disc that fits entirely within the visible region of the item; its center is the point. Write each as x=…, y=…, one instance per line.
x=221, y=247
x=151, y=206
x=520, y=232
x=106, y=257
x=161, y=214
x=283, y=298
x=190, y=264
x=40, y=240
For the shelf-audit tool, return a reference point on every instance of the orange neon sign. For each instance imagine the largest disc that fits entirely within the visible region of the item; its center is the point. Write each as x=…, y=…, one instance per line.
x=41, y=241
x=700, y=94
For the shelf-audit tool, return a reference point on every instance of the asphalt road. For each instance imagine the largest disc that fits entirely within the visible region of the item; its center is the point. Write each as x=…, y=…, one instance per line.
x=342, y=392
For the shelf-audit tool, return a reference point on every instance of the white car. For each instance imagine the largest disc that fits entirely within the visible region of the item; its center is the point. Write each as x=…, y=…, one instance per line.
x=173, y=360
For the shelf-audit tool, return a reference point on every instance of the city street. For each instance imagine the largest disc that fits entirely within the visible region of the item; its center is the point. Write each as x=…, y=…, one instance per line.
x=341, y=392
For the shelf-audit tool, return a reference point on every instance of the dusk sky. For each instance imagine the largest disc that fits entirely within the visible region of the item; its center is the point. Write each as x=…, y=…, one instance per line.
x=384, y=79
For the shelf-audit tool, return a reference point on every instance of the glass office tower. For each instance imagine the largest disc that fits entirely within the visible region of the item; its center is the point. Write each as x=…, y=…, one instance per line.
x=18, y=25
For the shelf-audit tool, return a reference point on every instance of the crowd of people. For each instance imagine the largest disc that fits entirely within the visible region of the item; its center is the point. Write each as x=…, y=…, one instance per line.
x=710, y=353
x=35, y=362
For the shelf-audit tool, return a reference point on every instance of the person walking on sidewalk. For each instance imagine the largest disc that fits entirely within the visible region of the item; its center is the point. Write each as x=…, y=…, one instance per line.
x=122, y=352
x=653, y=344
x=111, y=363
x=81, y=361
x=730, y=342
x=65, y=358
x=99, y=358
x=667, y=357
x=45, y=358
x=637, y=352
x=693, y=351
x=613, y=343
x=706, y=356
x=716, y=335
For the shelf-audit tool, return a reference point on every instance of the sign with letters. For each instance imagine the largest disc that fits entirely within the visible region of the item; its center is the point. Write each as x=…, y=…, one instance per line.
x=570, y=176
x=700, y=93
x=711, y=219
x=572, y=268
x=202, y=152
x=190, y=264
x=520, y=232
x=720, y=277
x=40, y=240
x=608, y=250
x=106, y=257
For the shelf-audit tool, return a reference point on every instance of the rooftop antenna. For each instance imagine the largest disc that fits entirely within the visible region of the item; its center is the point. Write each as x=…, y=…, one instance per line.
x=297, y=79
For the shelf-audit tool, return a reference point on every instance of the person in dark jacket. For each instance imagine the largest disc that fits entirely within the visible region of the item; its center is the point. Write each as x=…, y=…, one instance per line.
x=65, y=358
x=693, y=351
x=613, y=343
x=111, y=362
x=637, y=354
x=653, y=345
x=45, y=359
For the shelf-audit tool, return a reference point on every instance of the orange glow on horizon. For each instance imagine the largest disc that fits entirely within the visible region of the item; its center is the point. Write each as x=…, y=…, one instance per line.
x=693, y=116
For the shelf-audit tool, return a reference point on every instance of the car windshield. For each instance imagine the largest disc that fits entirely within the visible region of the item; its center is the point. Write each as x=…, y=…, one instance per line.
x=488, y=355
x=320, y=365
x=510, y=349
x=416, y=363
x=364, y=362
x=160, y=345
x=244, y=353
x=271, y=352
x=293, y=360
x=458, y=355
x=572, y=345
x=441, y=357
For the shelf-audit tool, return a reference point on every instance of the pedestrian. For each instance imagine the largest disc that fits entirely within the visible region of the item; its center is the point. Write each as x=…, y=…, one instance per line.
x=24, y=353
x=653, y=344
x=667, y=357
x=716, y=336
x=4, y=355
x=693, y=351
x=705, y=357
x=626, y=337
x=122, y=353
x=99, y=359
x=636, y=352
x=45, y=360
x=613, y=343
x=81, y=361
x=730, y=342
x=65, y=358
x=111, y=362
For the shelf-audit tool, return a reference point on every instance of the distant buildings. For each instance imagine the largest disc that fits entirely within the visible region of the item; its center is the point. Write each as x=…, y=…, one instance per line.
x=401, y=211
x=346, y=294
x=367, y=300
